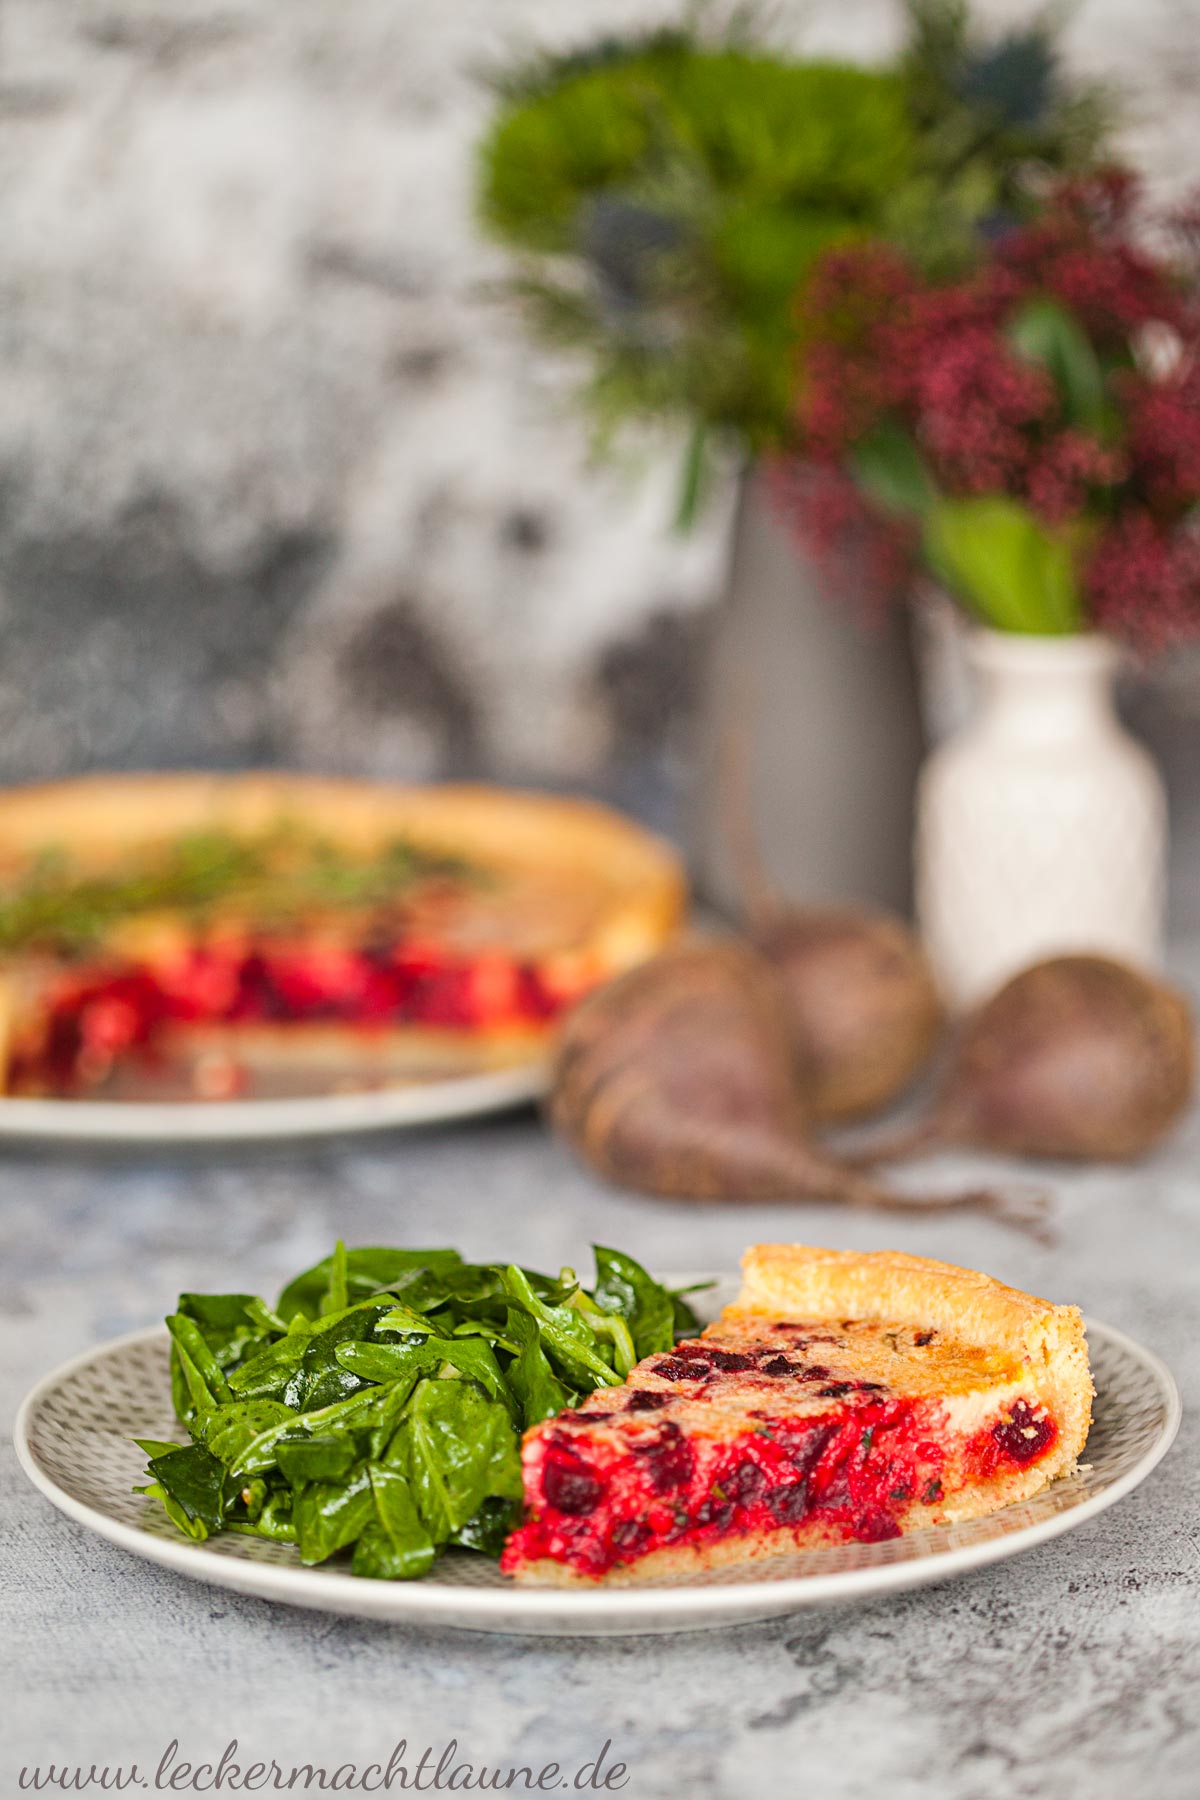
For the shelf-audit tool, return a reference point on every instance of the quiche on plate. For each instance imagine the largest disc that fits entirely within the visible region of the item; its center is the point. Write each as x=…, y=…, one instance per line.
x=845, y=1396
x=225, y=924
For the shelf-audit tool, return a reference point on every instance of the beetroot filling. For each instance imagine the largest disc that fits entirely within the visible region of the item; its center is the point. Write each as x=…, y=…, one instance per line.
x=856, y=1472
x=103, y=1013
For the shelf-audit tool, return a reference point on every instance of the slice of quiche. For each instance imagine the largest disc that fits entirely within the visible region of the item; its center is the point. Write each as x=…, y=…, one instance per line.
x=846, y=1395
x=234, y=922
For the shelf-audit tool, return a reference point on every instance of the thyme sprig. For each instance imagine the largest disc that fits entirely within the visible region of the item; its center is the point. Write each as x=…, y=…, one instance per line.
x=276, y=876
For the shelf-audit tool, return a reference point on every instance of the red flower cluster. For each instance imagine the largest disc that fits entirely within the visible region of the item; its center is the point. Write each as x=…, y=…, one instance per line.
x=988, y=415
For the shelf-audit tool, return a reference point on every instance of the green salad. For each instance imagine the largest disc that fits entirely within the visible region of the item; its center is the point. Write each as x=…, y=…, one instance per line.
x=378, y=1406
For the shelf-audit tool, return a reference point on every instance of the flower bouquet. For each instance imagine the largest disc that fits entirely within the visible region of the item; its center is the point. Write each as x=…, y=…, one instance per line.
x=1028, y=433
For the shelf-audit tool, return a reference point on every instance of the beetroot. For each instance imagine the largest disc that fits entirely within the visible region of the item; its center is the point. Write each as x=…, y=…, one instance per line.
x=1078, y=1057
x=862, y=1000
x=682, y=1078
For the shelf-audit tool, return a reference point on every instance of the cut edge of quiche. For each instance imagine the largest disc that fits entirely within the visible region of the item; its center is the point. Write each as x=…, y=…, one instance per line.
x=846, y=1396
x=573, y=894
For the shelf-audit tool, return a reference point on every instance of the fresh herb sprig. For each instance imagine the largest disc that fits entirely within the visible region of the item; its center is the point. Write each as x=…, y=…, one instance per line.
x=276, y=876
x=377, y=1407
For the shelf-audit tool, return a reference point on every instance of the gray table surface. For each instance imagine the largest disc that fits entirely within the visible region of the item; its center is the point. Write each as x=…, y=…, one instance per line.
x=1071, y=1670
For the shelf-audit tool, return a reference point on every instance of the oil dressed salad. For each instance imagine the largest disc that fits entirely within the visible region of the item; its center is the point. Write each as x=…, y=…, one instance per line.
x=377, y=1407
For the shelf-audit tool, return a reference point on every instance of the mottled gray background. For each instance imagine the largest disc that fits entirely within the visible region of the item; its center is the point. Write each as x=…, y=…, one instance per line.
x=279, y=478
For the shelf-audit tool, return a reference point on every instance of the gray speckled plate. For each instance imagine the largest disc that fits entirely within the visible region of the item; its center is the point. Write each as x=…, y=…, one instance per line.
x=73, y=1439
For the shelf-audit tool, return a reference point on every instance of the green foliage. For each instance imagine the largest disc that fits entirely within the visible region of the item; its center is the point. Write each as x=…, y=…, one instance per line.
x=1044, y=332
x=670, y=200
x=1008, y=570
x=750, y=130
x=888, y=467
x=666, y=196
x=380, y=1403
x=999, y=105
x=1011, y=572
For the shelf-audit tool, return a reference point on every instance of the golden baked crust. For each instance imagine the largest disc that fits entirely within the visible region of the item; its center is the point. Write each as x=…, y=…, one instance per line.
x=975, y=1365
x=1048, y=1341
x=577, y=879
x=796, y=1280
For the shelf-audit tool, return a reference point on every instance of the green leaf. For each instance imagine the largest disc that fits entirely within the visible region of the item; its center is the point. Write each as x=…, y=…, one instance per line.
x=1044, y=332
x=1005, y=567
x=693, y=479
x=623, y=1287
x=266, y=1375
x=229, y=1429
x=608, y=1326
x=888, y=467
x=195, y=1481
x=471, y=1356
x=182, y=1520
x=328, y=1515
x=157, y=1446
x=487, y=1529
x=565, y=1334
x=321, y=1378
x=361, y=1412
x=367, y=1271
x=396, y=1545
x=316, y=1459
x=687, y=1321
x=337, y=1297
x=456, y=1449
x=538, y=1390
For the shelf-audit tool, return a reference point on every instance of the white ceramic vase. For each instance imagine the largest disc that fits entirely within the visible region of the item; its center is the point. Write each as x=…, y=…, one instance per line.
x=1041, y=824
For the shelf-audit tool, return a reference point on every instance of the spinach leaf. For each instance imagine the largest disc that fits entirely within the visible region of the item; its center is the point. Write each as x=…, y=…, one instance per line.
x=395, y=1546
x=366, y=1272
x=566, y=1336
x=536, y=1387
x=623, y=1287
x=321, y=1378
x=388, y=1362
x=229, y=1429
x=487, y=1529
x=456, y=1449
x=688, y=1322
x=193, y=1479
x=315, y=1458
x=328, y=1515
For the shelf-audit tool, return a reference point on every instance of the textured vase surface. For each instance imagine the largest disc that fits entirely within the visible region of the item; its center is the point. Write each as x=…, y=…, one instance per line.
x=1041, y=825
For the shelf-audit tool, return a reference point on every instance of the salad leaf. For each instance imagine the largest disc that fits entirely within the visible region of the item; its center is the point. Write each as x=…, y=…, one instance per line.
x=394, y=1546
x=623, y=1287
x=191, y=1484
x=377, y=1407
x=366, y=1272
x=457, y=1450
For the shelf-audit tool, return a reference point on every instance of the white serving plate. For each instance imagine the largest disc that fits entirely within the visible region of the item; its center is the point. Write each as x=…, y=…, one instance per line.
x=73, y=1437
x=430, y=1102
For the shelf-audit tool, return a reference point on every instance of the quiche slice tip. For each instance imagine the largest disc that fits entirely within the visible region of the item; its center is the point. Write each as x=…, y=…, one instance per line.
x=845, y=1396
